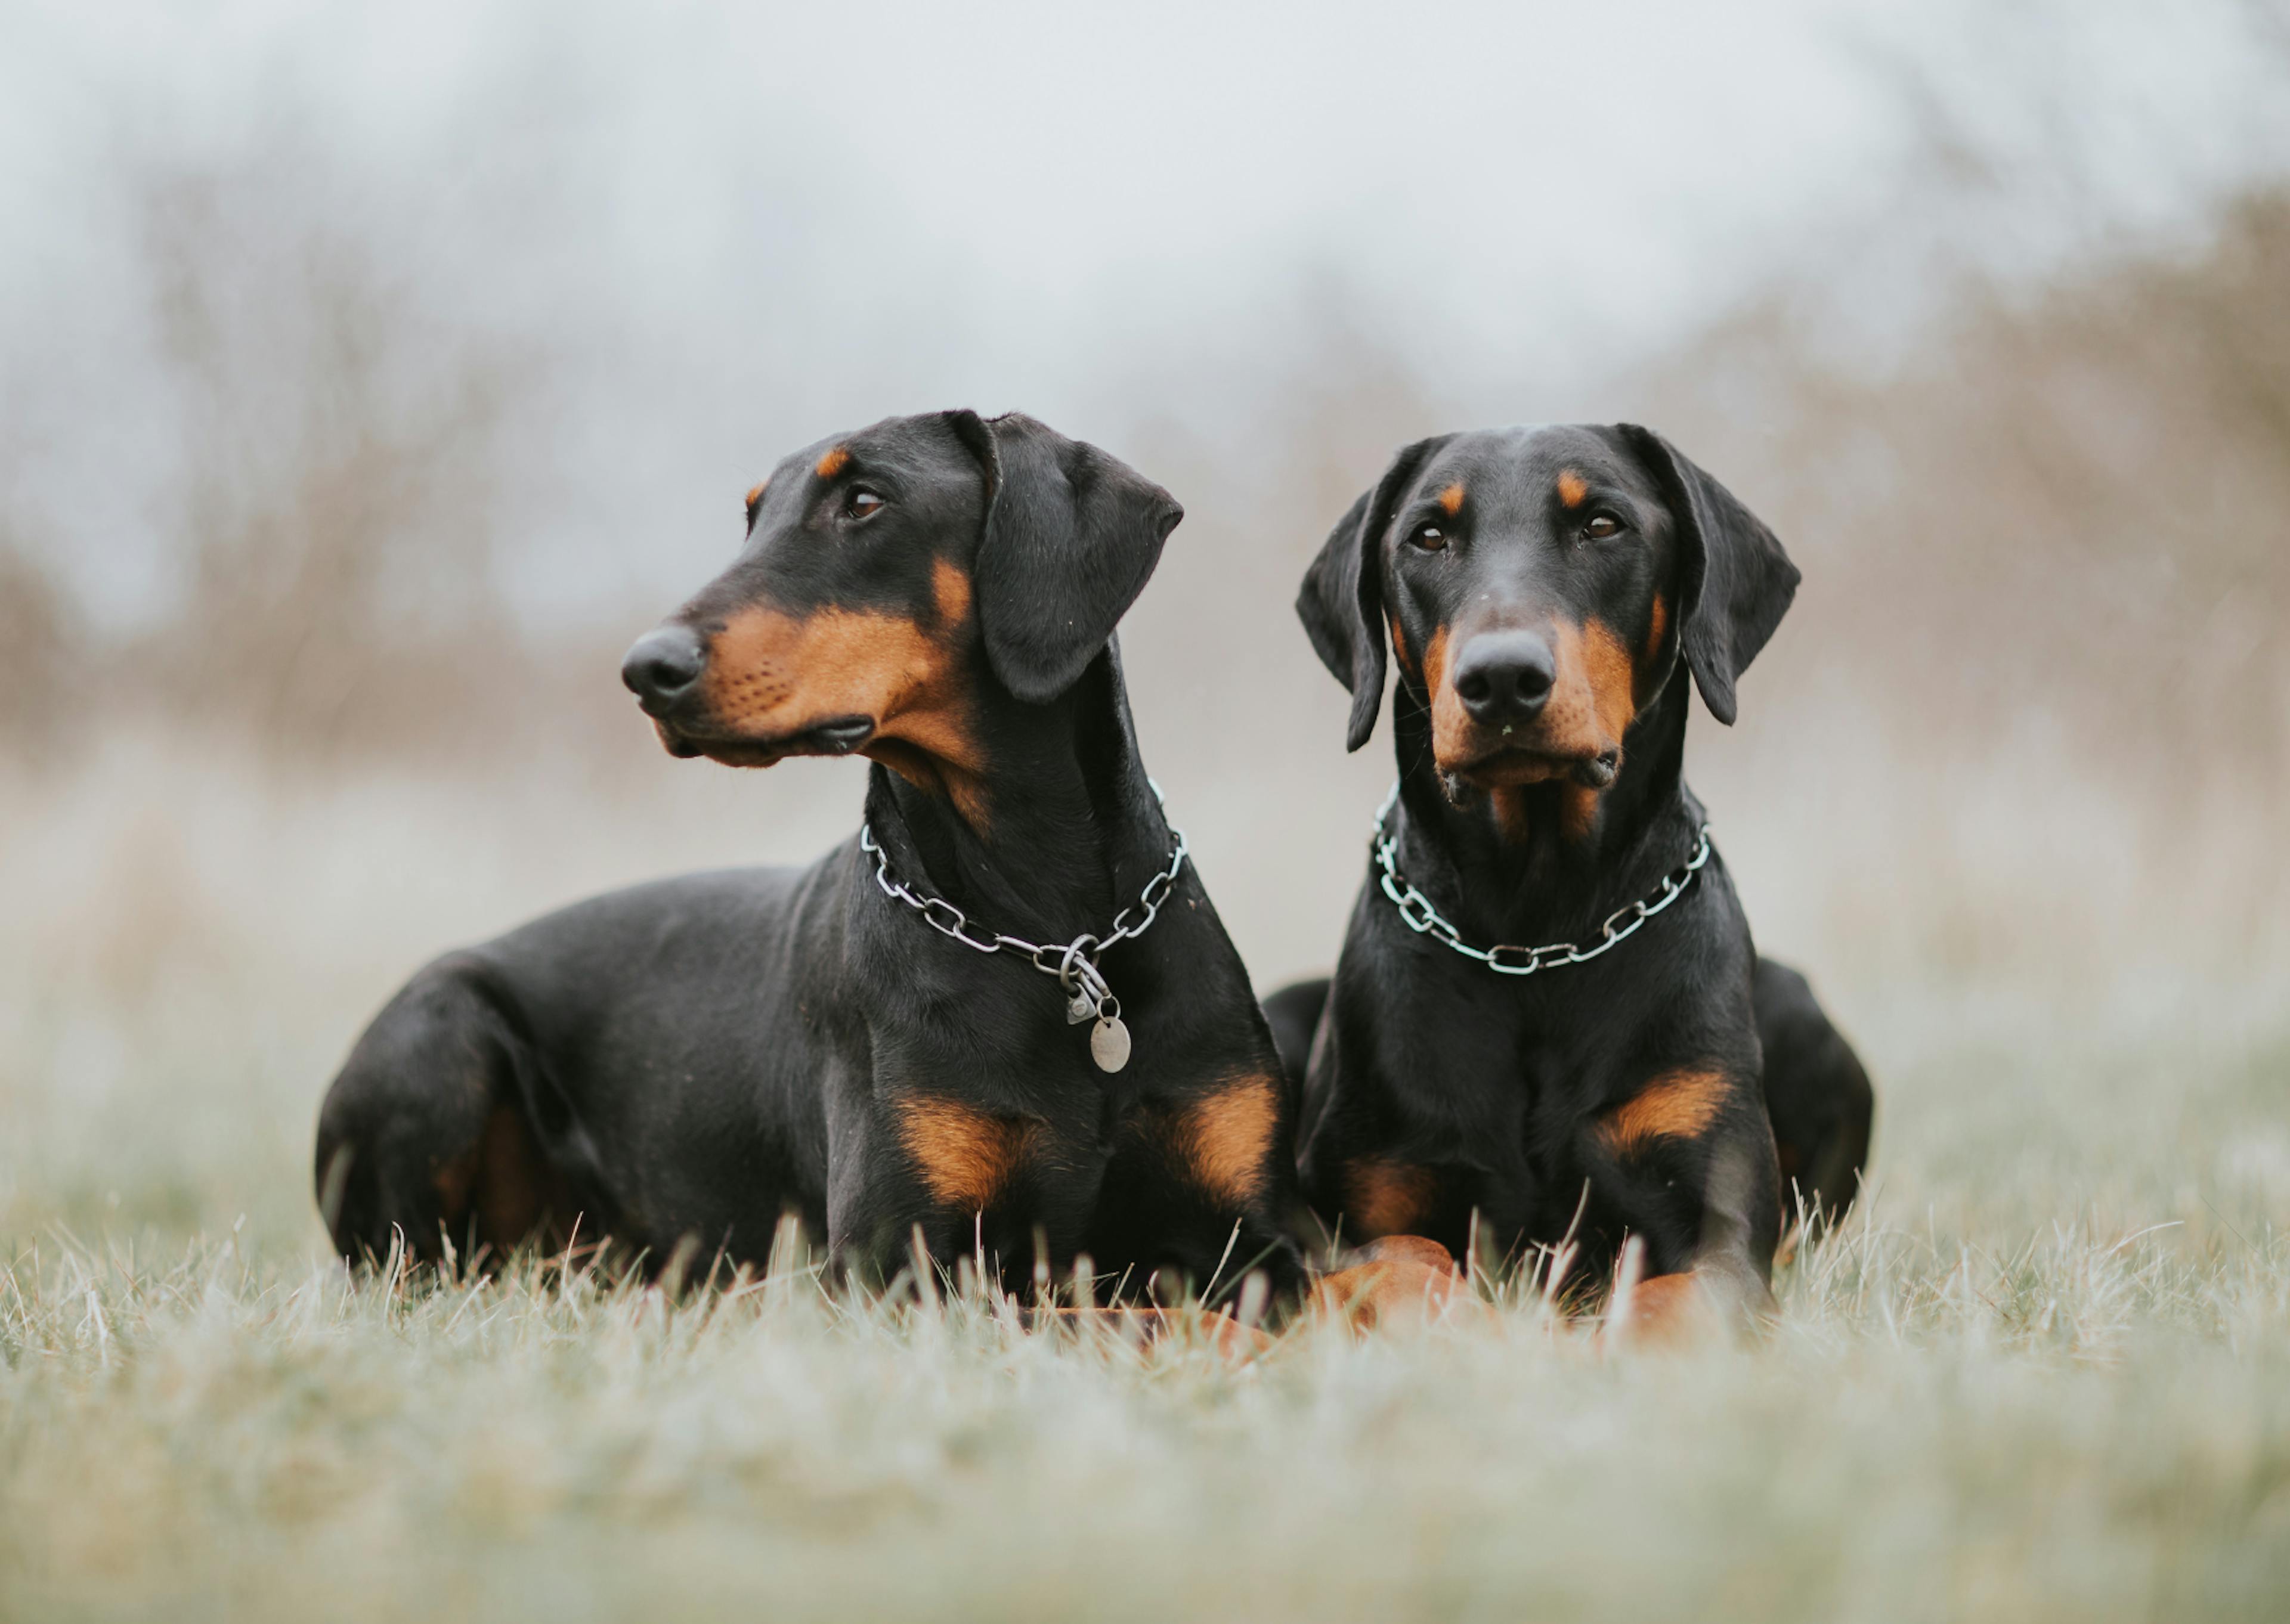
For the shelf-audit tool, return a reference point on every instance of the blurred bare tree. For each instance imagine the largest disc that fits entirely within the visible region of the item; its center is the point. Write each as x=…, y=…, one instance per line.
x=40, y=644
x=339, y=514
x=2072, y=501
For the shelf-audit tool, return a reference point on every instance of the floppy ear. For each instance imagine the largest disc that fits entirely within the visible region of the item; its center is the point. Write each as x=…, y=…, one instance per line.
x=1071, y=534
x=1735, y=582
x=1342, y=600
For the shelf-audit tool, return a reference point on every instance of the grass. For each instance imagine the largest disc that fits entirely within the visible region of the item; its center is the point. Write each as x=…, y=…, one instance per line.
x=2045, y=1374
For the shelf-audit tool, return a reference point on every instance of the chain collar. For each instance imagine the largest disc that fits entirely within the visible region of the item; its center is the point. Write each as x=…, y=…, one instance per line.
x=1073, y=962
x=1505, y=959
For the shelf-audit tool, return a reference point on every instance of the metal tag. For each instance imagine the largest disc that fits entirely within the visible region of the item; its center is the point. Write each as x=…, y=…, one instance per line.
x=1080, y=1007
x=1108, y=1043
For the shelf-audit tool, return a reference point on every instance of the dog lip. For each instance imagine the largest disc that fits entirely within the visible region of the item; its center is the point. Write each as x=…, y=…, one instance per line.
x=840, y=736
x=837, y=736
x=1498, y=765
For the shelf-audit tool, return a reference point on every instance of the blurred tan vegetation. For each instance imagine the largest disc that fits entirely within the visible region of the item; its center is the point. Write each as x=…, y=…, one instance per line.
x=2069, y=500
x=2044, y=549
x=2066, y=501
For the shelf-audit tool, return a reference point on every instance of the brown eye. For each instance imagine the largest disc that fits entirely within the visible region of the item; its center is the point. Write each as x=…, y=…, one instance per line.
x=1603, y=525
x=860, y=502
x=1430, y=537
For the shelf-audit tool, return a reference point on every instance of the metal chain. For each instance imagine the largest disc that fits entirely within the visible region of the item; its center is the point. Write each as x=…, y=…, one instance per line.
x=1073, y=962
x=1506, y=959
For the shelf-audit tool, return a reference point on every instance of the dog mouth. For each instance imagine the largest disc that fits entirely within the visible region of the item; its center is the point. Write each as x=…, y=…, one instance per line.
x=1508, y=765
x=835, y=736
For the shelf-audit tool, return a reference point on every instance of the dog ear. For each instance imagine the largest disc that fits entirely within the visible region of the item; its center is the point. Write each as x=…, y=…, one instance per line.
x=1071, y=536
x=1342, y=600
x=1735, y=582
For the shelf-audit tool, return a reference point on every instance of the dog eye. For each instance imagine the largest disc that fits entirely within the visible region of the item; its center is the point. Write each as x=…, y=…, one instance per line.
x=860, y=502
x=1430, y=537
x=1602, y=525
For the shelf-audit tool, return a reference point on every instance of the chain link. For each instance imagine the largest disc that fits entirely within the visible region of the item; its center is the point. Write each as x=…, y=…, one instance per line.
x=1505, y=958
x=1073, y=962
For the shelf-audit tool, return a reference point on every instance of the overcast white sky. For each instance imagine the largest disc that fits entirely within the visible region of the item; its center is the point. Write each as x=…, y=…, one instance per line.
x=776, y=219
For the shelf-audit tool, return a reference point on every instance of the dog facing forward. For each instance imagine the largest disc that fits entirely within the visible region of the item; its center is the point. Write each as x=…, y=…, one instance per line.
x=1546, y=1021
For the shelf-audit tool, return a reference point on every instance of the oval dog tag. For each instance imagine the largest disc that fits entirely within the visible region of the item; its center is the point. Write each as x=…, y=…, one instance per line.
x=1108, y=1043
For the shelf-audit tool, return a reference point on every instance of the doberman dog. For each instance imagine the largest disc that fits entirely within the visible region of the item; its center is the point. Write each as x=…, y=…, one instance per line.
x=1634, y=1070
x=870, y=1044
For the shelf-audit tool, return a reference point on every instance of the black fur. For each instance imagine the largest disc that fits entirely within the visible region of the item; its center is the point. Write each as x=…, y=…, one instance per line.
x=1438, y=1091
x=680, y=1064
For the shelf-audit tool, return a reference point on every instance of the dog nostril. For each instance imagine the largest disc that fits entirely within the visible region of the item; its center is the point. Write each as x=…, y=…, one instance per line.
x=664, y=662
x=1505, y=676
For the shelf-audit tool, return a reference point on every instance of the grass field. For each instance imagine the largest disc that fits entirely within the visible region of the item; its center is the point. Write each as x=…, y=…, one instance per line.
x=2044, y=1374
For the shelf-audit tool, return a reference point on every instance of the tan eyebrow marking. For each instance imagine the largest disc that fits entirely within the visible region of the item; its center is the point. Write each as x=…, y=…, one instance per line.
x=755, y=494
x=1571, y=487
x=832, y=463
x=1452, y=500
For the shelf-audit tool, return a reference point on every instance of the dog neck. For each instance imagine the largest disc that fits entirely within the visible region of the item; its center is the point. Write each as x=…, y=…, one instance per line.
x=1539, y=862
x=1066, y=832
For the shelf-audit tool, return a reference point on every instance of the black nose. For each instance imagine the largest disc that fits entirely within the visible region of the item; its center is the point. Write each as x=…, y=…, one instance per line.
x=1504, y=676
x=664, y=663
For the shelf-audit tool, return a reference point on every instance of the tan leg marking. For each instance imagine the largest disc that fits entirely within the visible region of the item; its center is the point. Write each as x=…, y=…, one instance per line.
x=506, y=1179
x=965, y=1157
x=1676, y=1105
x=1223, y=1139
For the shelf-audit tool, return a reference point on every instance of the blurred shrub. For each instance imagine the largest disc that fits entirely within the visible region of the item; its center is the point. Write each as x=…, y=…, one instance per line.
x=338, y=521
x=43, y=684
x=2070, y=502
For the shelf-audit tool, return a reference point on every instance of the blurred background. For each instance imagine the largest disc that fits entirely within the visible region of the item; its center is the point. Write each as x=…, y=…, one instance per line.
x=368, y=379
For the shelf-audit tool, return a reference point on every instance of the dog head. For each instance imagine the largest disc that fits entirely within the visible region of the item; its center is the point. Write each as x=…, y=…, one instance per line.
x=898, y=584
x=1538, y=588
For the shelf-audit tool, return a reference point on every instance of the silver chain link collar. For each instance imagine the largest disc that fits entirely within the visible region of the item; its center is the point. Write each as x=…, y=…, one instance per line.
x=1073, y=962
x=1505, y=959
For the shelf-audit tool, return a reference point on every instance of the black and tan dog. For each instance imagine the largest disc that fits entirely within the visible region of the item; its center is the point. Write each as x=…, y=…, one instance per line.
x=683, y=1062
x=1544, y=591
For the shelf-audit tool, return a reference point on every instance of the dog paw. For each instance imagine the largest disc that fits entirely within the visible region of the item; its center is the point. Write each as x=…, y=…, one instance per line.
x=1667, y=1314
x=1394, y=1292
